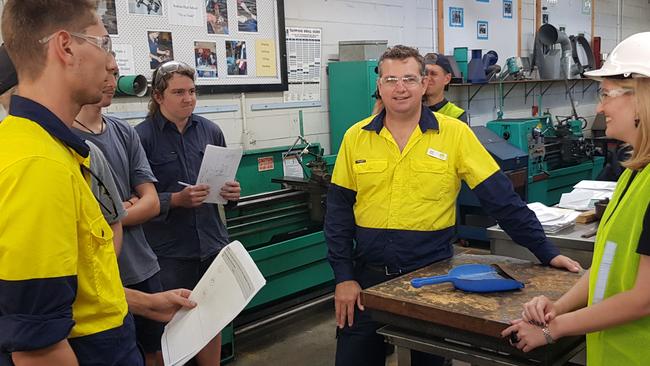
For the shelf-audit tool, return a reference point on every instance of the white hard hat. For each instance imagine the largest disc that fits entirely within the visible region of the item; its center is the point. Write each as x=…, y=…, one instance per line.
x=630, y=58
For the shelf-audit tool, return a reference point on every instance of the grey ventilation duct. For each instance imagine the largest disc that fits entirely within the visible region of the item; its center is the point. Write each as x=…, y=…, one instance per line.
x=552, y=63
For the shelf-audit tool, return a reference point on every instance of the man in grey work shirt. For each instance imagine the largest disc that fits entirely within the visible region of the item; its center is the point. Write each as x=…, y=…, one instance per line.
x=137, y=262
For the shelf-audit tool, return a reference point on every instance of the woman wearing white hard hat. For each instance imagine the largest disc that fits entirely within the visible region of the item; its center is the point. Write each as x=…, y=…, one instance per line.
x=611, y=302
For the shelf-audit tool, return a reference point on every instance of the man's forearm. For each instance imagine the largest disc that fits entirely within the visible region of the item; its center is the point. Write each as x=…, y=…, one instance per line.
x=137, y=301
x=499, y=199
x=57, y=354
x=145, y=208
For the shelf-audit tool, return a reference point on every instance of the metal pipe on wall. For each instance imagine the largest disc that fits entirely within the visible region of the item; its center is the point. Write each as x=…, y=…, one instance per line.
x=619, y=22
x=246, y=134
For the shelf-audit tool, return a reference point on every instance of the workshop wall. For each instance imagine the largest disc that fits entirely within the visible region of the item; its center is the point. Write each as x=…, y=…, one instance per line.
x=409, y=22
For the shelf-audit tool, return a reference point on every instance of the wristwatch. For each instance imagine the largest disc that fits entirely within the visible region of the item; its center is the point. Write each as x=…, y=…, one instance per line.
x=547, y=335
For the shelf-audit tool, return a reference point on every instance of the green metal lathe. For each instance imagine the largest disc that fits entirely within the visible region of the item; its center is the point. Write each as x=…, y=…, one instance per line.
x=279, y=219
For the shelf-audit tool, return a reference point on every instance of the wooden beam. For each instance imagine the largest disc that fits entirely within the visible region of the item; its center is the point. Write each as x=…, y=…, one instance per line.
x=538, y=14
x=441, y=26
x=593, y=18
x=519, y=28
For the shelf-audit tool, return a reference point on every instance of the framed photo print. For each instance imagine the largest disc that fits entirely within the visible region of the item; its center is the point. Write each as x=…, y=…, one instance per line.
x=507, y=8
x=456, y=17
x=482, y=29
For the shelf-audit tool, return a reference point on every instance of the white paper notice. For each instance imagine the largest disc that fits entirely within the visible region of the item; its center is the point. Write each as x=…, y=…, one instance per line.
x=186, y=12
x=223, y=292
x=291, y=167
x=124, y=58
x=219, y=166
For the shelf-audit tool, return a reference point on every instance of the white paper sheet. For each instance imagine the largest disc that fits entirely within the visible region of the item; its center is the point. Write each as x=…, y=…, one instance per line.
x=124, y=58
x=596, y=184
x=553, y=219
x=219, y=165
x=186, y=12
x=583, y=199
x=223, y=292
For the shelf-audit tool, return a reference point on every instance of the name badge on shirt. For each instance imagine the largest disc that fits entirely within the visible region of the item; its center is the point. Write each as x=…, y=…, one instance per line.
x=437, y=154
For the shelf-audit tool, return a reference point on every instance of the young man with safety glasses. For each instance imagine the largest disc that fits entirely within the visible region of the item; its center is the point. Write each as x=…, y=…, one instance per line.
x=61, y=299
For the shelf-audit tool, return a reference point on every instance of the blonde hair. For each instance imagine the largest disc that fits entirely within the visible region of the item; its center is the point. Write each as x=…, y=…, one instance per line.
x=641, y=154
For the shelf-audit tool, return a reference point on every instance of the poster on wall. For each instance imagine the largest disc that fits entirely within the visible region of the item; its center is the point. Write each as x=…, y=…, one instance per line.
x=216, y=16
x=507, y=8
x=236, y=58
x=586, y=6
x=196, y=32
x=161, y=48
x=146, y=7
x=124, y=58
x=482, y=29
x=205, y=59
x=456, y=18
x=304, y=63
x=247, y=15
x=265, y=58
x=185, y=12
x=108, y=15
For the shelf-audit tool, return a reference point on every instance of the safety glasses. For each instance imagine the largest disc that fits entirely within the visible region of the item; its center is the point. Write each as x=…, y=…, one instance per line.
x=102, y=42
x=168, y=68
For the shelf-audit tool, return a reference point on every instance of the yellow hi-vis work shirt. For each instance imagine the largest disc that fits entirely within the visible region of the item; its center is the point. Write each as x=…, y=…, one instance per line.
x=397, y=209
x=414, y=189
x=58, y=269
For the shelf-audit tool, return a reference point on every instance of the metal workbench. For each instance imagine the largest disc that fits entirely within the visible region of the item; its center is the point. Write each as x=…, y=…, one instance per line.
x=569, y=241
x=440, y=320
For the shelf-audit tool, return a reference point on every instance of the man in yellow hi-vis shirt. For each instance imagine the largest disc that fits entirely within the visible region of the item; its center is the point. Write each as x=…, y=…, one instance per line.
x=61, y=298
x=394, y=191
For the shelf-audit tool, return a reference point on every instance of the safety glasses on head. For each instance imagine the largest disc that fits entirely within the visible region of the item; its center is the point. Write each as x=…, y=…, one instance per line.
x=102, y=42
x=168, y=68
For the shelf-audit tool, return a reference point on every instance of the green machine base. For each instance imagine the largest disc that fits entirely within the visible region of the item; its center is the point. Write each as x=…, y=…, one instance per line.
x=280, y=224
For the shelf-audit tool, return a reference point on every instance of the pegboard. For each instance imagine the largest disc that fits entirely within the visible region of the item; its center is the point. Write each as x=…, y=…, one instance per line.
x=235, y=45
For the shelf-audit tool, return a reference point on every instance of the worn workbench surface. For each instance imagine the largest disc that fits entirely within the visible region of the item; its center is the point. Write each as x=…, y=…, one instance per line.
x=486, y=314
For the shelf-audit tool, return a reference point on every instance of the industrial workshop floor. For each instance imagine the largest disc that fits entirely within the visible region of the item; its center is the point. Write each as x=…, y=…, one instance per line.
x=305, y=338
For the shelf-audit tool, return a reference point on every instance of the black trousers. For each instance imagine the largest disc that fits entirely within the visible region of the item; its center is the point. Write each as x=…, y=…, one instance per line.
x=360, y=345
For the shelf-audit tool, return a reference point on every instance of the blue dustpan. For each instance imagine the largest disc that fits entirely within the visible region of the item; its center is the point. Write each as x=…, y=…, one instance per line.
x=474, y=278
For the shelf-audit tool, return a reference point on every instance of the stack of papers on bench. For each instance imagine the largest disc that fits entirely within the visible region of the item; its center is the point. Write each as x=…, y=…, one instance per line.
x=553, y=219
x=586, y=193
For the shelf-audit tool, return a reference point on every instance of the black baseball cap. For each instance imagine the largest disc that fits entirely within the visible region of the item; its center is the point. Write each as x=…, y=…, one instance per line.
x=8, y=77
x=437, y=59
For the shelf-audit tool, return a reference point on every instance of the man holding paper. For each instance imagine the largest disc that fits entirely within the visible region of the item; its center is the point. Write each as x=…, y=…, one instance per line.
x=188, y=233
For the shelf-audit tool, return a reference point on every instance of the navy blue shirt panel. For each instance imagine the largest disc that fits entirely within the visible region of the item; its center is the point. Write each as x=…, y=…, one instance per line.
x=40, y=312
x=190, y=233
x=397, y=250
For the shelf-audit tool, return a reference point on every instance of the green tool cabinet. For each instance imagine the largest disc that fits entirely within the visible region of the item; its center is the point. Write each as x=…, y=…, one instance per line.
x=351, y=85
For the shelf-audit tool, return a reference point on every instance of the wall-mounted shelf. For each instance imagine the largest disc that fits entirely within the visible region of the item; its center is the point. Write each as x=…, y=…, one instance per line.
x=542, y=85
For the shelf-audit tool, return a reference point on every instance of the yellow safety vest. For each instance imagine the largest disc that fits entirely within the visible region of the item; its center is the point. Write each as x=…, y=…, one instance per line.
x=614, y=270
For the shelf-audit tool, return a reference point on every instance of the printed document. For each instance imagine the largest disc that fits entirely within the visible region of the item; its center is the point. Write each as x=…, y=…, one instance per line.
x=223, y=292
x=219, y=166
